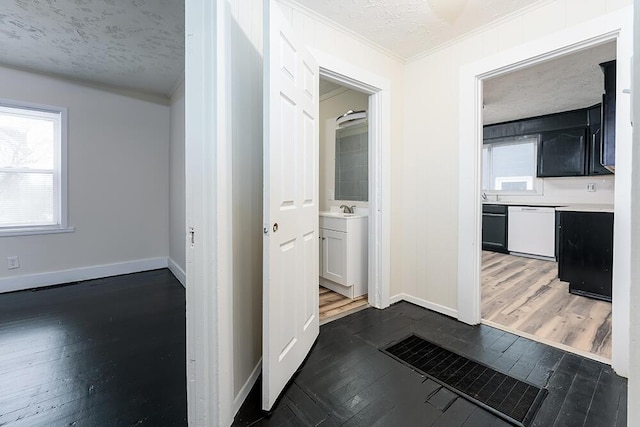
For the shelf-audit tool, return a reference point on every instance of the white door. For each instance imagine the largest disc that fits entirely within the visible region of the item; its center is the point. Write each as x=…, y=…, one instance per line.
x=290, y=294
x=334, y=256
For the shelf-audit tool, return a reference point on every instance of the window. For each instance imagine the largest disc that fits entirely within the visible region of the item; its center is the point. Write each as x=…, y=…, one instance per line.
x=509, y=165
x=32, y=169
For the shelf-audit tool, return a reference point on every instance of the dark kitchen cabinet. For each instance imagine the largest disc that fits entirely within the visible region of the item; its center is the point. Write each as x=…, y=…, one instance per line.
x=562, y=153
x=608, y=153
x=594, y=165
x=534, y=125
x=494, y=228
x=585, y=253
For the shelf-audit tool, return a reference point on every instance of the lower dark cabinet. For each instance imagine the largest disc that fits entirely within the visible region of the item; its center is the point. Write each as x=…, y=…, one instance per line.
x=494, y=228
x=585, y=253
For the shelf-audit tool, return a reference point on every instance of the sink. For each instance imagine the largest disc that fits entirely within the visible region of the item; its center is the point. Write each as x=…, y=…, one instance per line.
x=340, y=215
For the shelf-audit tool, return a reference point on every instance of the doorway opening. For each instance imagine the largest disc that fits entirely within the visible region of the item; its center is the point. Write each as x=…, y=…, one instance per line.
x=543, y=152
x=344, y=200
x=616, y=26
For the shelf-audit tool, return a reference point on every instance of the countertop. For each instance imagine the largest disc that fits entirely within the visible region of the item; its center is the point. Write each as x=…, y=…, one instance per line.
x=328, y=214
x=586, y=208
x=562, y=207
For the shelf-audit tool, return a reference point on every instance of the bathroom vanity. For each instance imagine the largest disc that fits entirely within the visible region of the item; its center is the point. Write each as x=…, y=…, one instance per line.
x=343, y=253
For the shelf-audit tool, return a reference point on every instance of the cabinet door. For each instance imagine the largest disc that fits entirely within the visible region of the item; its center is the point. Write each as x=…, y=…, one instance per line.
x=586, y=253
x=494, y=232
x=334, y=256
x=562, y=153
x=595, y=143
x=608, y=157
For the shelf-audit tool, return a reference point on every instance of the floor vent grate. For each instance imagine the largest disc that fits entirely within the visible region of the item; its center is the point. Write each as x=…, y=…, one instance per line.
x=514, y=400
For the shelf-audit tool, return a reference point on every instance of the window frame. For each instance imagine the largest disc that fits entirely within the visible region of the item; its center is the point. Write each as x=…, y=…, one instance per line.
x=59, y=174
x=537, y=182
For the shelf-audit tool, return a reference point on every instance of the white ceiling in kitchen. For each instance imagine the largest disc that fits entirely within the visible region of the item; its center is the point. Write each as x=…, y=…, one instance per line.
x=563, y=84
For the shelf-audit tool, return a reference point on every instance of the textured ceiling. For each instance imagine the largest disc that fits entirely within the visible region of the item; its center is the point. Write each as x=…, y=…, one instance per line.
x=410, y=27
x=128, y=44
x=567, y=83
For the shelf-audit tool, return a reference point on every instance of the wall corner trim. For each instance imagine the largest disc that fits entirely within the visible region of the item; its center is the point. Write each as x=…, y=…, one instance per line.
x=447, y=311
x=39, y=280
x=246, y=388
x=177, y=271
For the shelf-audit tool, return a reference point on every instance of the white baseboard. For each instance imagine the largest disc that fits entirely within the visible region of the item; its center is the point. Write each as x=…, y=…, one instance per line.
x=39, y=280
x=177, y=271
x=425, y=304
x=246, y=388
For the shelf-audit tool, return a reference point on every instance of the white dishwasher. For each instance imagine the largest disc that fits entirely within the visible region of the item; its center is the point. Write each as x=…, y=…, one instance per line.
x=532, y=231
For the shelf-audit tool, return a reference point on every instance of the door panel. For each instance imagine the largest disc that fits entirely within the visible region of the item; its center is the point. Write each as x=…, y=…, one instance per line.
x=290, y=298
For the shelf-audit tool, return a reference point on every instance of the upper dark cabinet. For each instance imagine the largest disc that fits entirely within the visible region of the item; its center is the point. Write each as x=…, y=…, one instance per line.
x=608, y=153
x=594, y=165
x=562, y=153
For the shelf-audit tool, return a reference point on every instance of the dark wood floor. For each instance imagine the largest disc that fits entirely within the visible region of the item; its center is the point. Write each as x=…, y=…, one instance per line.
x=107, y=352
x=347, y=381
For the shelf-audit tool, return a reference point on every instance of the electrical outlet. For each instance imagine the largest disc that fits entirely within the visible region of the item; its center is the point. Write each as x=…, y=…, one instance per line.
x=13, y=262
x=591, y=187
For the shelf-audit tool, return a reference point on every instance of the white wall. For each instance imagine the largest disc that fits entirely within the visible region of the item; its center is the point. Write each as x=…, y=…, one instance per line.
x=118, y=187
x=334, y=105
x=569, y=190
x=246, y=134
x=429, y=180
x=177, y=222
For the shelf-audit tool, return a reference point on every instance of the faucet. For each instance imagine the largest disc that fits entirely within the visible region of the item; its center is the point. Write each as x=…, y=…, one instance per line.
x=484, y=196
x=347, y=209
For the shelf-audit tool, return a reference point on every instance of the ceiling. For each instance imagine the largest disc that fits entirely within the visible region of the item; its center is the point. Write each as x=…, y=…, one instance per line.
x=567, y=83
x=410, y=27
x=134, y=45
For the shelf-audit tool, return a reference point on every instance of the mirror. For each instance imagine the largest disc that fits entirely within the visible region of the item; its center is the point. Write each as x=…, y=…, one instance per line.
x=352, y=163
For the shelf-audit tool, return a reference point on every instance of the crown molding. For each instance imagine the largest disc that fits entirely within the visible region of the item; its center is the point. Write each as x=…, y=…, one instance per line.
x=451, y=42
x=328, y=22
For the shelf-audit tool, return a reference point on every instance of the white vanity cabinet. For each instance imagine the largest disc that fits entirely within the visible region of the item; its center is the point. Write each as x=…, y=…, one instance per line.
x=343, y=254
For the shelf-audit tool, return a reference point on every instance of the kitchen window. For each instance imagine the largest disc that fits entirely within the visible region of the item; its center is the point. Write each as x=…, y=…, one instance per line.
x=509, y=165
x=32, y=169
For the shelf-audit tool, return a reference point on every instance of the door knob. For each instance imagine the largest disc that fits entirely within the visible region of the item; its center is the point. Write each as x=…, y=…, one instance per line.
x=275, y=227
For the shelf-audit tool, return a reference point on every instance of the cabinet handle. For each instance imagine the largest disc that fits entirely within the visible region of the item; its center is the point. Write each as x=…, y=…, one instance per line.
x=530, y=209
x=493, y=214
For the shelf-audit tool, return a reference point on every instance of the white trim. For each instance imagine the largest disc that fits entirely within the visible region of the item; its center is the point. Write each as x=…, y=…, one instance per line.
x=30, y=231
x=246, y=388
x=177, y=272
x=447, y=311
x=337, y=27
x=39, y=280
x=378, y=88
x=59, y=171
x=495, y=23
x=614, y=26
x=208, y=205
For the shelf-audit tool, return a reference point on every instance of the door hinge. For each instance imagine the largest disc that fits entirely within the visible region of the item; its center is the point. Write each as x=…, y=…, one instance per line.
x=192, y=236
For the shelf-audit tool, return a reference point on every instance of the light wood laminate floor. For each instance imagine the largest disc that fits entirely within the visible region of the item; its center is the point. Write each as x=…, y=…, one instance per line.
x=525, y=295
x=332, y=304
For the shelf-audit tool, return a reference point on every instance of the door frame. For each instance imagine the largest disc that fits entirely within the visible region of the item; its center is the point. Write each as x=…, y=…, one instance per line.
x=616, y=26
x=209, y=264
x=379, y=232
